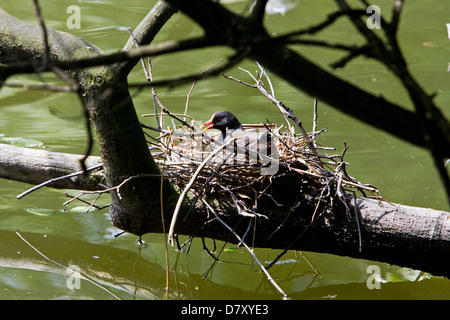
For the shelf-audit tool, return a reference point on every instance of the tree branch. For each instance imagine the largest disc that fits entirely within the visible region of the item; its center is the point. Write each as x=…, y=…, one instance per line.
x=97, y=60
x=120, y=138
x=434, y=126
x=305, y=75
x=313, y=80
x=37, y=9
x=232, y=61
x=257, y=13
x=403, y=235
x=36, y=166
x=148, y=28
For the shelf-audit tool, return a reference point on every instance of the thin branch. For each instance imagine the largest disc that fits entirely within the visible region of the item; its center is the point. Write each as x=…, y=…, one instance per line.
x=323, y=43
x=376, y=43
x=148, y=28
x=314, y=128
x=291, y=244
x=91, y=204
x=235, y=59
x=86, y=116
x=314, y=29
x=148, y=75
x=364, y=50
x=48, y=87
x=396, y=11
x=83, y=276
x=269, y=277
x=154, y=94
x=189, y=185
x=257, y=13
x=163, y=223
x=107, y=59
x=23, y=194
x=44, y=32
x=193, y=84
x=285, y=110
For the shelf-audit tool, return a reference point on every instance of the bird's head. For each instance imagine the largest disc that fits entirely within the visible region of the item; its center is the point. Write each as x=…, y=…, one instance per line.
x=222, y=120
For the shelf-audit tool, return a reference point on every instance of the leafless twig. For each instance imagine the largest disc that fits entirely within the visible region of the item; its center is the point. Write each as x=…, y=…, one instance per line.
x=23, y=194
x=269, y=277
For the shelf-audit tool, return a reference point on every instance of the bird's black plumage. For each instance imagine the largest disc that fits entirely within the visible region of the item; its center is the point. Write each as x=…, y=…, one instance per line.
x=224, y=121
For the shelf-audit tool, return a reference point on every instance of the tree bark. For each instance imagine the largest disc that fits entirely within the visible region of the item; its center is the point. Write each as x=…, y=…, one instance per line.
x=36, y=166
x=104, y=92
x=403, y=235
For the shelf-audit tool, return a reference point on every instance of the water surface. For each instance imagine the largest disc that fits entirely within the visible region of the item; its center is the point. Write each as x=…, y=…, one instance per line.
x=40, y=237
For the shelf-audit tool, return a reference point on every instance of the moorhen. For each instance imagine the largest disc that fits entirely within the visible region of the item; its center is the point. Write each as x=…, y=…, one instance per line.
x=224, y=121
x=230, y=126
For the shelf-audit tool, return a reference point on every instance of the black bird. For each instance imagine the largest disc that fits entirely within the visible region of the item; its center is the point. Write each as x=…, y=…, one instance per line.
x=249, y=141
x=224, y=121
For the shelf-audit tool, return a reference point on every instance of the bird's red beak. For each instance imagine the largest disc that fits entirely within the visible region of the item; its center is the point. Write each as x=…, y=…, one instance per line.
x=209, y=124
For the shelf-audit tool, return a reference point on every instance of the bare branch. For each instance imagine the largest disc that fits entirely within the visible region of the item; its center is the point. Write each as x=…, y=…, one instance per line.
x=44, y=30
x=71, y=175
x=257, y=13
x=269, y=277
x=148, y=28
x=100, y=60
x=238, y=57
x=319, y=27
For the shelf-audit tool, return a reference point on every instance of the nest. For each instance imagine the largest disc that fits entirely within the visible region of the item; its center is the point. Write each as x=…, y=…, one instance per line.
x=227, y=177
x=232, y=178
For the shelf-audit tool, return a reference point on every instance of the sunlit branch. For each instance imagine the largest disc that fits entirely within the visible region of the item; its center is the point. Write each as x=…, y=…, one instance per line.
x=109, y=59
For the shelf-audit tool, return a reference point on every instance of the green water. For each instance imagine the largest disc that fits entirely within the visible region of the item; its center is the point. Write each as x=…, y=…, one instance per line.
x=40, y=237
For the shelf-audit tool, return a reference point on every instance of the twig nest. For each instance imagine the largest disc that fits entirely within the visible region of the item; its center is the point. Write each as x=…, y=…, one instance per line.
x=284, y=169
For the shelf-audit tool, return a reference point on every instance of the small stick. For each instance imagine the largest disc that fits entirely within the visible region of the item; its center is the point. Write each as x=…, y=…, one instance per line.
x=189, y=185
x=269, y=277
x=87, y=202
x=23, y=194
x=37, y=10
x=148, y=74
x=81, y=275
x=195, y=81
x=315, y=122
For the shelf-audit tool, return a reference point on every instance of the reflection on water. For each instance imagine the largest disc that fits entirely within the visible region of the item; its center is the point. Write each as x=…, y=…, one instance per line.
x=58, y=237
x=32, y=261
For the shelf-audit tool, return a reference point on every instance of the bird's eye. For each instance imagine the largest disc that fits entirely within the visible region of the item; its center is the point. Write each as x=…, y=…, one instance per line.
x=218, y=118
